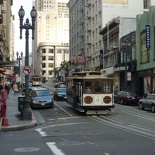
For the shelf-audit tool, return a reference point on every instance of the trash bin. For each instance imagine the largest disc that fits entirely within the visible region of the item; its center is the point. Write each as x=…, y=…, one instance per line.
x=21, y=100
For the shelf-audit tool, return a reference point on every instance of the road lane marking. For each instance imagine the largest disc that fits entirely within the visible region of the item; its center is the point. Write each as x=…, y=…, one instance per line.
x=64, y=110
x=54, y=149
x=64, y=118
x=43, y=134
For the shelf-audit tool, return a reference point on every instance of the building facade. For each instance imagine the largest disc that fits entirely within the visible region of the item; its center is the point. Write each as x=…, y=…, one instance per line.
x=52, y=36
x=6, y=36
x=92, y=16
x=117, y=57
x=145, y=47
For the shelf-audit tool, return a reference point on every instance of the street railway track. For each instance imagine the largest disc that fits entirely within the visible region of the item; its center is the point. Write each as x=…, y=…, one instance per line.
x=141, y=125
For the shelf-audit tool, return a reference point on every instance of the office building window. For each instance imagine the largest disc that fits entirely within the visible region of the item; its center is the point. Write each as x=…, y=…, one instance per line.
x=43, y=65
x=43, y=58
x=50, y=51
x=50, y=58
x=50, y=65
x=43, y=50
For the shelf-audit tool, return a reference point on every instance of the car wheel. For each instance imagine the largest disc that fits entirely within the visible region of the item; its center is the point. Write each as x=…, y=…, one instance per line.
x=141, y=106
x=153, y=108
x=52, y=105
x=122, y=102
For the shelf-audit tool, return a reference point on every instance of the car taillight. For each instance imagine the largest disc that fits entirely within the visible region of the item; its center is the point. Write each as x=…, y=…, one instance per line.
x=126, y=96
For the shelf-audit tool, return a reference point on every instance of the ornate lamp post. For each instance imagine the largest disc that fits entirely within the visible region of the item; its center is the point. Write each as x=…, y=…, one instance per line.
x=19, y=57
x=26, y=112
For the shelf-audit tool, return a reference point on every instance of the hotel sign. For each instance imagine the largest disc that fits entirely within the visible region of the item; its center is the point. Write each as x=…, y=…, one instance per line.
x=78, y=60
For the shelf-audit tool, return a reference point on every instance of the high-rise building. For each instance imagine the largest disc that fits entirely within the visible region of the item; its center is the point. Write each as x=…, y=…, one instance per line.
x=90, y=17
x=51, y=36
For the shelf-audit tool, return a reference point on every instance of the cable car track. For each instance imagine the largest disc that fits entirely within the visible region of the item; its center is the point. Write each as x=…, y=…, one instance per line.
x=130, y=127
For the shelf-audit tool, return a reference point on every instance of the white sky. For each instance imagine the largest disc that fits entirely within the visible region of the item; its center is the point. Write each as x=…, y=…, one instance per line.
x=19, y=44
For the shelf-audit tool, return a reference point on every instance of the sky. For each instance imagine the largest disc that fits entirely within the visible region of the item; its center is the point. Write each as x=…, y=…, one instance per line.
x=19, y=44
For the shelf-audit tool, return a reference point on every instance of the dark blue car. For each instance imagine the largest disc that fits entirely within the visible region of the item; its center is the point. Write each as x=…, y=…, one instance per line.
x=60, y=94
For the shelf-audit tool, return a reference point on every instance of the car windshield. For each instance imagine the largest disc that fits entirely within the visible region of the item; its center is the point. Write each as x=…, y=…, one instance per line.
x=61, y=90
x=129, y=93
x=42, y=93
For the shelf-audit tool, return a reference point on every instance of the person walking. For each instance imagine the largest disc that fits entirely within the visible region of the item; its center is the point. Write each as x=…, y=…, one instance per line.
x=7, y=87
x=15, y=88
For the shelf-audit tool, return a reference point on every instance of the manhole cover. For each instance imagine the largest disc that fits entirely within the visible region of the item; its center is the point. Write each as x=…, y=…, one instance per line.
x=27, y=149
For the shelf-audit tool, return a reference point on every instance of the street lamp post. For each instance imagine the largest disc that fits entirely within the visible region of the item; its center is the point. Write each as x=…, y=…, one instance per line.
x=19, y=57
x=26, y=112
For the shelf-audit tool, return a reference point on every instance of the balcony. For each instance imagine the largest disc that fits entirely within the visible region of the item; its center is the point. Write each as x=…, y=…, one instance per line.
x=81, y=36
x=88, y=30
x=89, y=43
x=88, y=4
x=88, y=17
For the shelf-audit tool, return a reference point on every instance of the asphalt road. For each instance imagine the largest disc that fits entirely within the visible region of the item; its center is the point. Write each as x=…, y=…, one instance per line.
x=126, y=131
x=64, y=131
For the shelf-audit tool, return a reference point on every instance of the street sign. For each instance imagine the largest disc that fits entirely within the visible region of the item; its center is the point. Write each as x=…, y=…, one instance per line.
x=26, y=70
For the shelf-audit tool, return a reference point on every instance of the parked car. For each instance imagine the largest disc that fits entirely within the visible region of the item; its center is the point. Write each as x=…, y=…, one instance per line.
x=60, y=94
x=126, y=97
x=60, y=84
x=41, y=97
x=147, y=103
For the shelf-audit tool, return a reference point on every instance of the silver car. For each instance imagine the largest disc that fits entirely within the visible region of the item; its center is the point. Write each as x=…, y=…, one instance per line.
x=41, y=97
x=147, y=103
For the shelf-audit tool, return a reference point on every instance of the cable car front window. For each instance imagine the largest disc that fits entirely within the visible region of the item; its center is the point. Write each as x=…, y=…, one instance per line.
x=97, y=86
x=88, y=86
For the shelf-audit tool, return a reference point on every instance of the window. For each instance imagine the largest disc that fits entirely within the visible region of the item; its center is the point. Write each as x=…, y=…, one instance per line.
x=146, y=4
x=107, y=86
x=97, y=86
x=50, y=65
x=88, y=86
x=50, y=58
x=50, y=50
x=43, y=58
x=43, y=50
x=43, y=65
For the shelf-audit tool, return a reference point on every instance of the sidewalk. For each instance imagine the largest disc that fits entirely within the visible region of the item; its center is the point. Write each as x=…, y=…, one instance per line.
x=14, y=117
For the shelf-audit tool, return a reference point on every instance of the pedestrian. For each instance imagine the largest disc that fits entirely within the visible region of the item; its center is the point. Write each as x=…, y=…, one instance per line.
x=15, y=88
x=7, y=87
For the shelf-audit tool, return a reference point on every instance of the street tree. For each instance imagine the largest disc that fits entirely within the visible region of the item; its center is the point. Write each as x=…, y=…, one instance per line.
x=65, y=66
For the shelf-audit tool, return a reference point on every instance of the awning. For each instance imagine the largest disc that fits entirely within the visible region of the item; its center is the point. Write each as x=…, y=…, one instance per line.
x=8, y=63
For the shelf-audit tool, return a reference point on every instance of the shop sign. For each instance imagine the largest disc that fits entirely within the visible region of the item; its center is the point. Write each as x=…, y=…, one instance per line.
x=147, y=29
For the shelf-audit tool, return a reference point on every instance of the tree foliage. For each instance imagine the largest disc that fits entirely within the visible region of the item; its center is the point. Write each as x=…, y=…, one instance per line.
x=65, y=66
x=56, y=71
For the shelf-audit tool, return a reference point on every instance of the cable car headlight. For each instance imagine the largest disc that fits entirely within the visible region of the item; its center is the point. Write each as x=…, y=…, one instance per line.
x=88, y=100
x=107, y=99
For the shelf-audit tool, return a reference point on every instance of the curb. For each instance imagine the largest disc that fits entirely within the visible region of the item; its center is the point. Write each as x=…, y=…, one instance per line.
x=19, y=127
